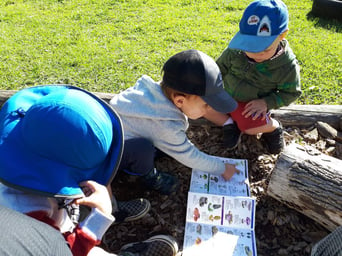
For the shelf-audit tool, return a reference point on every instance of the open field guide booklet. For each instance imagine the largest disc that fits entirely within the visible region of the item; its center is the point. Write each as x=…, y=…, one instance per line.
x=220, y=214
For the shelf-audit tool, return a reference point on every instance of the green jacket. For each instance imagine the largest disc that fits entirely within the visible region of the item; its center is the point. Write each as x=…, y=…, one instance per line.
x=276, y=80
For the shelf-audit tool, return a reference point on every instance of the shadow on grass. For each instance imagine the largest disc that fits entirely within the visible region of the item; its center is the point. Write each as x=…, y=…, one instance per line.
x=325, y=22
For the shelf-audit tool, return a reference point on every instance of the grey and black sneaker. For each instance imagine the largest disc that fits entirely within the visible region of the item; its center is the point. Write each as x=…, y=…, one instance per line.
x=231, y=136
x=160, y=245
x=131, y=210
x=162, y=182
x=123, y=211
x=274, y=141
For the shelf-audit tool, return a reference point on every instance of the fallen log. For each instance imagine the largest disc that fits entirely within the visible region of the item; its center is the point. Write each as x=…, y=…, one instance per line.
x=301, y=116
x=310, y=182
x=307, y=115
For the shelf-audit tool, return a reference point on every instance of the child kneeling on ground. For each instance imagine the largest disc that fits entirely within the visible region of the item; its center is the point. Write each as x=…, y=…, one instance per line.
x=155, y=118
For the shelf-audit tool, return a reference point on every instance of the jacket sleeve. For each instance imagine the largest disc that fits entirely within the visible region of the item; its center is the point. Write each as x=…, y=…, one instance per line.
x=176, y=144
x=223, y=62
x=288, y=89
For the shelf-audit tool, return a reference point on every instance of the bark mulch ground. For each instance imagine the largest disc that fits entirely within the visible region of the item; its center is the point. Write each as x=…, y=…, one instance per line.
x=279, y=229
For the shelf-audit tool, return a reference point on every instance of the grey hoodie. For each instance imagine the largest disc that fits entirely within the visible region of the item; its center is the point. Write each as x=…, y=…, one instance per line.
x=147, y=113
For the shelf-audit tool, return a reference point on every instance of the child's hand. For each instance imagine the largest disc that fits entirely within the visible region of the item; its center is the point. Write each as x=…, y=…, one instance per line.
x=96, y=196
x=255, y=108
x=230, y=171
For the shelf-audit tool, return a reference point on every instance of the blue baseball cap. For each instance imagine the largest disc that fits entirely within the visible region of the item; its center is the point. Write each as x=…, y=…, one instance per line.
x=262, y=22
x=53, y=137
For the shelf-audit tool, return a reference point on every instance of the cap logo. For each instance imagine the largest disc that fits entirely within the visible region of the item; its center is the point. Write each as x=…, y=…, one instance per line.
x=264, y=27
x=253, y=20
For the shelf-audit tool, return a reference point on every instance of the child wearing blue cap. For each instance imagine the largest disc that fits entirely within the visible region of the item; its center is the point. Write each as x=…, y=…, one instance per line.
x=155, y=118
x=61, y=144
x=261, y=72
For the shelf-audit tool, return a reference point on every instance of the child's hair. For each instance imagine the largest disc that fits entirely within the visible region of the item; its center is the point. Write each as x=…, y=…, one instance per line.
x=193, y=72
x=168, y=91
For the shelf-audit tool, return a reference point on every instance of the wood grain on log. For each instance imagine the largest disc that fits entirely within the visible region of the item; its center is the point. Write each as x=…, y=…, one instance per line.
x=310, y=182
x=307, y=115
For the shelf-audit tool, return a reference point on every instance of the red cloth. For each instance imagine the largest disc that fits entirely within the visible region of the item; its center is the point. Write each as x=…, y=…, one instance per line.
x=80, y=242
x=247, y=123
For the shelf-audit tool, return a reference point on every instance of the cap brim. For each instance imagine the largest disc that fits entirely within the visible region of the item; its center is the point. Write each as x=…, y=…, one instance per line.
x=22, y=169
x=221, y=102
x=249, y=43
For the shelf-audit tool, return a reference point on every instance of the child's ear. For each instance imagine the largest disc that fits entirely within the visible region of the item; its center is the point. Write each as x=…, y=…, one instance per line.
x=178, y=100
x=284, y=34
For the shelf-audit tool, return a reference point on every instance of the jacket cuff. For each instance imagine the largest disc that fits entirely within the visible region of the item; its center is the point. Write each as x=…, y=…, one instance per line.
x=96, y=224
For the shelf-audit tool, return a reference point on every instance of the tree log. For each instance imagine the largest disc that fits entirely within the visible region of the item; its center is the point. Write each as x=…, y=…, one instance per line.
x=307, y=115
x=310, y=182
x=301, y=116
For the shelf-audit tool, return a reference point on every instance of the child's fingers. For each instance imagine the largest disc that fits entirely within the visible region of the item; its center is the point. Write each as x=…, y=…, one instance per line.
x=88, y=187
x=247, y=109
x=88, y=183
x=87, y=191
x=85, y=201
x=249, y=104
x=258, y=114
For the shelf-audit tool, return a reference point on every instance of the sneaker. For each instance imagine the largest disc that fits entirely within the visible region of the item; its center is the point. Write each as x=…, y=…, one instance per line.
x=274, y=141
x=231, y=136
x=123, y=211
x=162, y=182
x=160, y=245
x=135, y=209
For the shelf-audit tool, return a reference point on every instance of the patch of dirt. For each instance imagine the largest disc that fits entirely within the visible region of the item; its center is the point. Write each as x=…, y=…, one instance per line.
x=279, y=229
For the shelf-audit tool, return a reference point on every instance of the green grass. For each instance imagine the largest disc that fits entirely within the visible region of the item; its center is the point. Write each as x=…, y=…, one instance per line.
x=106, y=45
